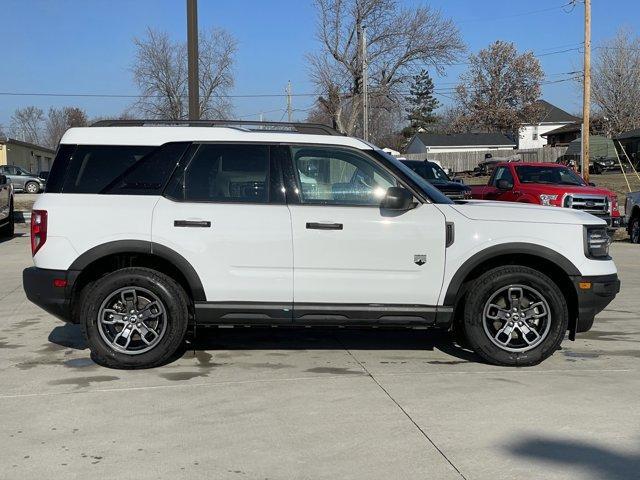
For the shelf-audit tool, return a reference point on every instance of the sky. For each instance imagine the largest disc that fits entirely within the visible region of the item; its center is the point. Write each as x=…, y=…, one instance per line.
x=86, y=46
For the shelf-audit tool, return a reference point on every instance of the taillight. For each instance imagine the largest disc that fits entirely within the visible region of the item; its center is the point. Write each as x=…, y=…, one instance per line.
x=38, y=230
x=614, y=203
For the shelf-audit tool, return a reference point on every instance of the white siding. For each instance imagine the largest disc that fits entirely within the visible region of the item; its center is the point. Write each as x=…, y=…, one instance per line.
x=527, y=132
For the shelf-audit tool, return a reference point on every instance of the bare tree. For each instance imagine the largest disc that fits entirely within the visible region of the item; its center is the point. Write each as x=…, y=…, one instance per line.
x=160, y=71
x=499, y=90
x=615, y=83
x=400, y=42
x=26, y=124
x=59, y=120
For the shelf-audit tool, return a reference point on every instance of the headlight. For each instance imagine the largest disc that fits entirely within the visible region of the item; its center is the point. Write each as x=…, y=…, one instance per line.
x=596, y=242
x=547, y=199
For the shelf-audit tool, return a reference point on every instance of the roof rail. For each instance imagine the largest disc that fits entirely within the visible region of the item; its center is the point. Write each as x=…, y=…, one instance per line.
x=290, y=127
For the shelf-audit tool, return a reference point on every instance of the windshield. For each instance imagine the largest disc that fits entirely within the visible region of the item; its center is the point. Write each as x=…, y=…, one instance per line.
x=428, y=170
x=429, y=190
x=549, y=175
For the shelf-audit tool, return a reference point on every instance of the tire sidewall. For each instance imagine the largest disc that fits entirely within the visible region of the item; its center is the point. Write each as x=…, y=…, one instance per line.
x=635, y=222
x=170, y=294
x=485, y=286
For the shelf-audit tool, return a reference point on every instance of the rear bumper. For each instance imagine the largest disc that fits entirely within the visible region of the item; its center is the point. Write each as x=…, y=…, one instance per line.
x=39, y=288
x=594, y=294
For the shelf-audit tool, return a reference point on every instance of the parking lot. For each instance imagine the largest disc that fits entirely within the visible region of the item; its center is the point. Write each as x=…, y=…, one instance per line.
x=279, y=403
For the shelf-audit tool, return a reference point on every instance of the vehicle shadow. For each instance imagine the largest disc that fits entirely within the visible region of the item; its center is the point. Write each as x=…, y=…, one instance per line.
x=596, y=461
x=327, y=338
x=212, y=339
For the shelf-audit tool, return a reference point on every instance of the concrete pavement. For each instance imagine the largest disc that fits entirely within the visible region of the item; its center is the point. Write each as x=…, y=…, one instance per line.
x=299, y=404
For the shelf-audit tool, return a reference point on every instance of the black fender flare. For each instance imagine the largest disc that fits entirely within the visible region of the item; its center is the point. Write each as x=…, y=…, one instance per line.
x=500, y=250
x=144, y=247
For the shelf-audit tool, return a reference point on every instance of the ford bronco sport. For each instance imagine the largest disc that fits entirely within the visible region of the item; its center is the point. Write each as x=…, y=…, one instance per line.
x=146, y=230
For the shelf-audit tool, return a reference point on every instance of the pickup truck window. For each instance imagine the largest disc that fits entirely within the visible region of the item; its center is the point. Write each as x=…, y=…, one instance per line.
x=548, y=175
x=502, y=173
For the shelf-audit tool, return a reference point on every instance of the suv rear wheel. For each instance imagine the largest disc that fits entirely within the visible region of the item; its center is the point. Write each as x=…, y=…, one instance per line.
x=134, y=318
x=515, y=315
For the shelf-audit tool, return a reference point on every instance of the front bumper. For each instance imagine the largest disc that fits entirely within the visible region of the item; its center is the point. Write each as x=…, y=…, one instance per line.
x=594, y=294
x=38, y=284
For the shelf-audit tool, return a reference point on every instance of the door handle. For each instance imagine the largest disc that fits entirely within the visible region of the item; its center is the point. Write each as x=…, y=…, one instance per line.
x=323, y=226
x=192, y=223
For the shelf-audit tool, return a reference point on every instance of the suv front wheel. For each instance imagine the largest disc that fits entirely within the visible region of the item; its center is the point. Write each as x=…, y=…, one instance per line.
x=134, y=318
x=515, y=315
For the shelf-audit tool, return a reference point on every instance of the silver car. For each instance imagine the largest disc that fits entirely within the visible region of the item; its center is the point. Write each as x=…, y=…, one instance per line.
x=22, y=180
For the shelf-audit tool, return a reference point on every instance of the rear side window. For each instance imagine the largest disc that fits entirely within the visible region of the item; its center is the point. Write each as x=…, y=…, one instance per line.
x=225, y=173
x=59, y=168
x=94, y=167
x=148, y=175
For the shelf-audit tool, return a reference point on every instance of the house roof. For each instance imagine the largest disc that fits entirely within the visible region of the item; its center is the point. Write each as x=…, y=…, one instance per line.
x=13, y=141
x=553, y=114
x=571, y=127
x=629, y=134
x=465, y=140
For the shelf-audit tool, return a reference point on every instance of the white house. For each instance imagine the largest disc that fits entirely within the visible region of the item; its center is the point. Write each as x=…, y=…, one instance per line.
x=423, y=142
x=530, y=134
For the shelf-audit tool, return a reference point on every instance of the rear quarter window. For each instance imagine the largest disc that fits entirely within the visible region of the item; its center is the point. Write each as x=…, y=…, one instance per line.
x=113, y=169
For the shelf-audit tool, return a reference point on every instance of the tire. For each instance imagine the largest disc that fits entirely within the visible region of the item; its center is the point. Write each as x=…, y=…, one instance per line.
x=31, y=187
x=8, y=229
x=516, y=348
x=634, y=229
x=156, y=294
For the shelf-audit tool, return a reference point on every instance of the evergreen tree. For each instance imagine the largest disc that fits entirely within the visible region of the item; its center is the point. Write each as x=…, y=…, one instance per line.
x=422, y=103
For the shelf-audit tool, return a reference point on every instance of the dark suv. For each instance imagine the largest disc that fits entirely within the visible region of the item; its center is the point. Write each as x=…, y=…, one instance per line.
x=437, y=177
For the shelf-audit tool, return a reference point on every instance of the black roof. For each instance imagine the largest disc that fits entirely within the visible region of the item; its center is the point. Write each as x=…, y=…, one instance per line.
x=9, y=141
x=572, y=127
x=630, y=134
x=553, y=114
x=465, y=139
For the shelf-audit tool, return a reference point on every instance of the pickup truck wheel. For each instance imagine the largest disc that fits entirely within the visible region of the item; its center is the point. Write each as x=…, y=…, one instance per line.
x=134, y=318
x=8, y=229
x=32, y=187
x=515, y=316
x=634, y=230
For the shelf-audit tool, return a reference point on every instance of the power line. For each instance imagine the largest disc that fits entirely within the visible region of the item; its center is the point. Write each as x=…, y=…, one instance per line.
x=521, y=14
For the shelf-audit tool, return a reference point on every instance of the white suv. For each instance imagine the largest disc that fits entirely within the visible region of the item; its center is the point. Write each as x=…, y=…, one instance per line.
x=147, y=230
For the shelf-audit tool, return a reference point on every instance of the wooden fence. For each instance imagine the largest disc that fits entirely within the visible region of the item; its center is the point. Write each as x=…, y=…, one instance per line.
x=466, y=161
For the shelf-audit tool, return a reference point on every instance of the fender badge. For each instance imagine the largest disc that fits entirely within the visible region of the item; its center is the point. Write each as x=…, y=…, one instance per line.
x=419, y=260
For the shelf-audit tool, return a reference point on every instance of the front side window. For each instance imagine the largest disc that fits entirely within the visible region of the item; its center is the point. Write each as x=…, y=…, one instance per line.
x=225, y=173
x=502, y=173
x=334, y=176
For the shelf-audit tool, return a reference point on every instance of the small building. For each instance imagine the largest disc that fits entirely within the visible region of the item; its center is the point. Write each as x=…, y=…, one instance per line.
x=563, y=136
x=531, y=135
x=423, y=142
x=630, y=142
x=30, y=157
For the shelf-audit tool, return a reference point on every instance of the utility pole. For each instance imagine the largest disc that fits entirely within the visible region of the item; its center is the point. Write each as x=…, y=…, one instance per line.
x=192, y=52
x=365, y=87
x=289, y=111
x=586, y=94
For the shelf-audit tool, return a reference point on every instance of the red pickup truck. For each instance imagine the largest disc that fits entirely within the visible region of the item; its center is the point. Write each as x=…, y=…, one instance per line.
x=549, y=184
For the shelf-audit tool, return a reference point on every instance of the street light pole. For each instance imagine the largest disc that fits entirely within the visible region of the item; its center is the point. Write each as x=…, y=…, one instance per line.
x=192, y=49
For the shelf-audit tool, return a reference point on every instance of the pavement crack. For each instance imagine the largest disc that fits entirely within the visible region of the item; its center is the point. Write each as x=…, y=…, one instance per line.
x=420, y=429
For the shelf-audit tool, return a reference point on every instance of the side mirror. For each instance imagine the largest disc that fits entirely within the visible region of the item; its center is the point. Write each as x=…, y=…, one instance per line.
x=591, y=184
x=3, y=179
x=397, y=198
x=504, y=184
